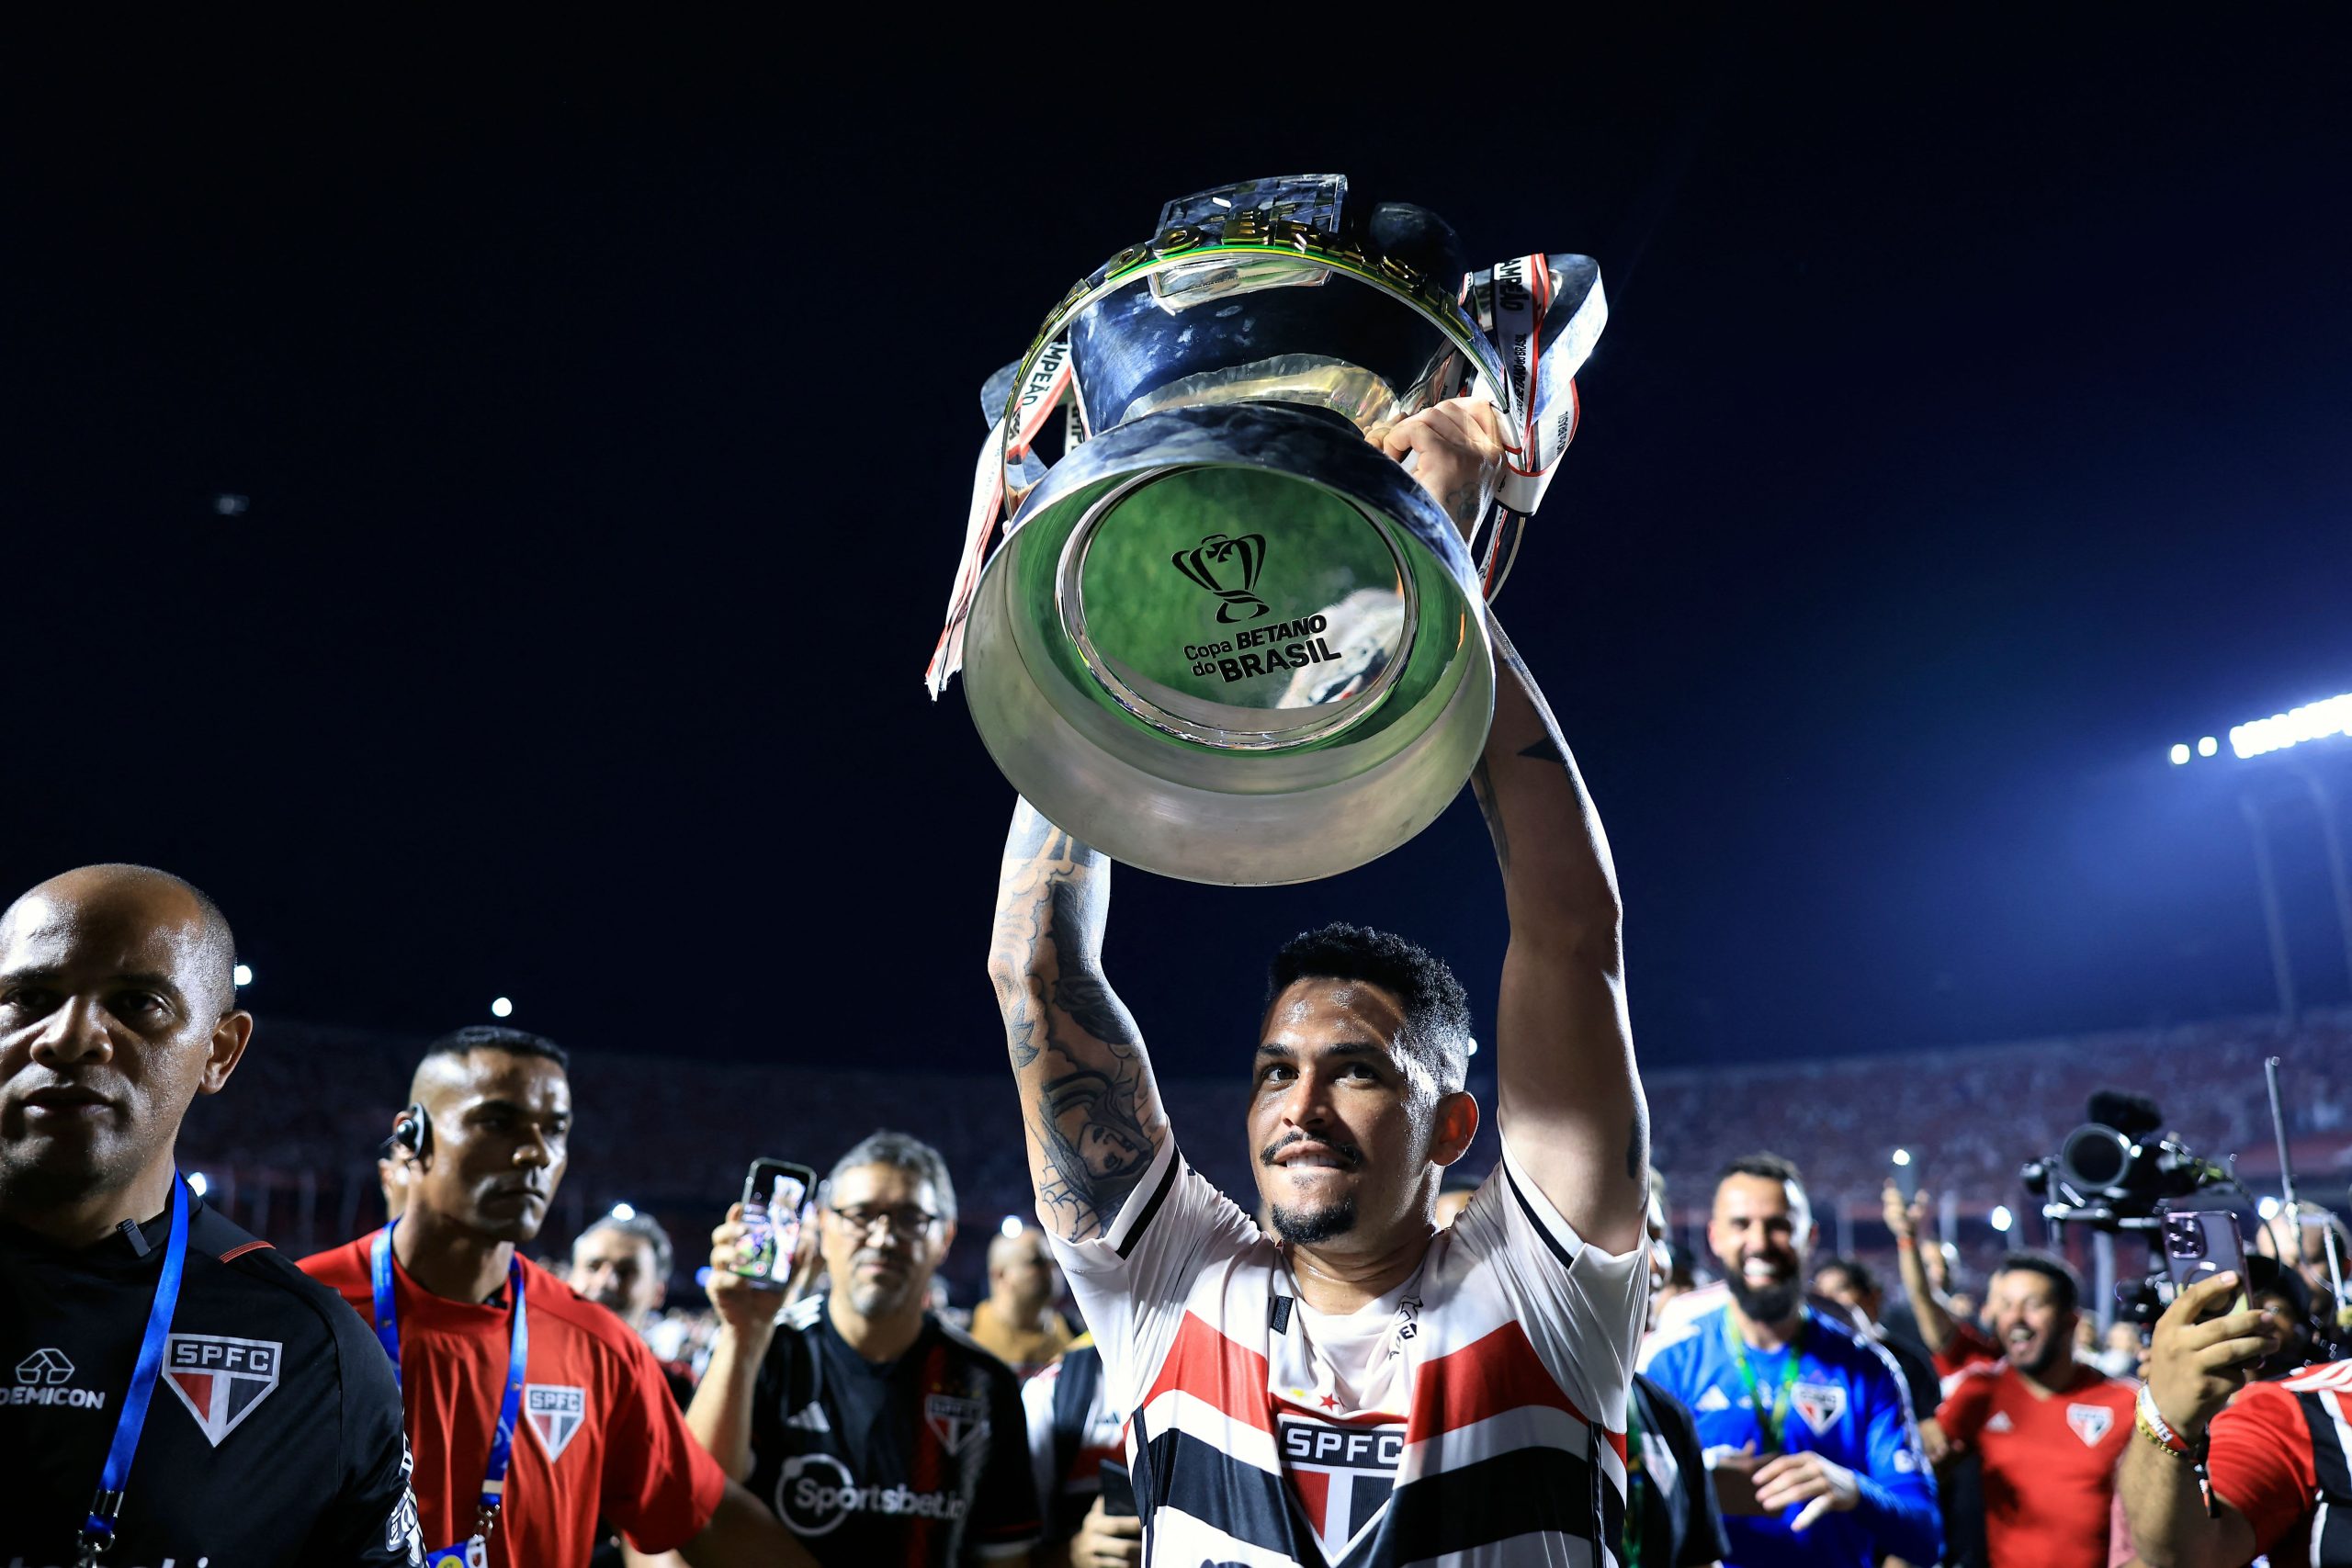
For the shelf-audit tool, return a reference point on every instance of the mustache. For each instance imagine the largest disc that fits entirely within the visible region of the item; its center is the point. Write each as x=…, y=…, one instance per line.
x=1349, y=1154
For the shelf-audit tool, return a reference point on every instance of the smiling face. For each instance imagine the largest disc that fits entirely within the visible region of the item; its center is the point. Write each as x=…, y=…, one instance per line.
x=501, y=1130
x=2032, y=1328
x=1758, y=1233
x=116, y=1010
x=1348, y=1132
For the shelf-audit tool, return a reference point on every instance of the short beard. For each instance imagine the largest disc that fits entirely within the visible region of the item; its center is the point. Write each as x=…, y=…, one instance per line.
x=1768, y=1303
x=1311, y=1227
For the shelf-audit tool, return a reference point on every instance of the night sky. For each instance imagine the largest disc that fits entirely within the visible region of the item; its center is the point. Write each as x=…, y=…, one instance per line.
x=1970, y=427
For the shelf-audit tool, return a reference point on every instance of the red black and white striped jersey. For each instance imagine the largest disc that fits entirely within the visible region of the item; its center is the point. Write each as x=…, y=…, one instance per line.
x=1474, y=1416
x=2281, y=1455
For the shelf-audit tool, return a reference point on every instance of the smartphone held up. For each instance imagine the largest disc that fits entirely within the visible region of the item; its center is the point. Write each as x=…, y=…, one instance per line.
x=777, y=1200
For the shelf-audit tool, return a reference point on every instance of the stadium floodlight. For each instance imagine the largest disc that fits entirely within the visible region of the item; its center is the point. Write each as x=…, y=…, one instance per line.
x=2002, y=1218
x=1903, y=1156
x=196, y=1182
x=2207, y=746
x=624, y=1211
x=2180, y=752
x=2312, y=721
x=499, y=1007
x=1012, y=1225
x=243, y=975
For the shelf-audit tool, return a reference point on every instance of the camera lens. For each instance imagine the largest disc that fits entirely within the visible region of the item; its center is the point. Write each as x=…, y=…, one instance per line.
x=2096, y=1158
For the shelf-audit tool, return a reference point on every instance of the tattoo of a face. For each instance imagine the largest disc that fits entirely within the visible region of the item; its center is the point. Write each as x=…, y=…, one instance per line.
x=1096, y=1147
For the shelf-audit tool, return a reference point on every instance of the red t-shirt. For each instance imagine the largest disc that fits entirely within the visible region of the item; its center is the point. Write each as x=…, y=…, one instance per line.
x=1969, y=1346
x=604, y=1436
x=2049, y=1461
x=2262, y=1461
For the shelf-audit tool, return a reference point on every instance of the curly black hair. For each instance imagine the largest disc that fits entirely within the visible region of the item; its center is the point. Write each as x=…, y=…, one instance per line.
x=1437, y=1014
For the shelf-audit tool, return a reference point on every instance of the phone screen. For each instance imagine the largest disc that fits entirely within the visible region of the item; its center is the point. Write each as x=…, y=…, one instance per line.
x=1906, y=1170
x=775, y=1199
x=2200, y=1244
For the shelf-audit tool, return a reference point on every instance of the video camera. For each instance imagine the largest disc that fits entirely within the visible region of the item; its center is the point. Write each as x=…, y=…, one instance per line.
x=2118, y=1169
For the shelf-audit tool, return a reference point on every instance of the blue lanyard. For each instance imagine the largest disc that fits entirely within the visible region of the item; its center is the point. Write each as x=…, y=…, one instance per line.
x=98, y=1531
x=510, y=1405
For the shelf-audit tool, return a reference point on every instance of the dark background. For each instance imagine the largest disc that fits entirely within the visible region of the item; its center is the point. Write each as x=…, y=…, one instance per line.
x=1971, y=427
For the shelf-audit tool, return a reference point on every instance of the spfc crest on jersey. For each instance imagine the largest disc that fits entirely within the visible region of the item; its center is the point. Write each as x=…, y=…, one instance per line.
x=556, y=1414
x=1341, y=1477
x=2090, y=1422
x=956, y=1421
x=1821, y=1404
x=221, y=1380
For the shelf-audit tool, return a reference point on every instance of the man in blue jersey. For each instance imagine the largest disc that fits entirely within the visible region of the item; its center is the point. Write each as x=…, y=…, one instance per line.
x=1805, y=1424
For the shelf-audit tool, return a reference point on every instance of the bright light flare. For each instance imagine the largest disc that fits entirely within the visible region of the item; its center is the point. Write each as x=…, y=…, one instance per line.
x=197, y=1184
x=243, y=975
x=2312, y=721
x=1903, y=1156
x=2180, y=752
x=2002, y=1218
x=1012, y=1225
x=624, y=1211
x=2268, y=1207
x=499, y=1007
x=2207, y=746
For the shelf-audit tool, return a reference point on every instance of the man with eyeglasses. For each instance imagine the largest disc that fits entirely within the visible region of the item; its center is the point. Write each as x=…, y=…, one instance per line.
x=879, y=1434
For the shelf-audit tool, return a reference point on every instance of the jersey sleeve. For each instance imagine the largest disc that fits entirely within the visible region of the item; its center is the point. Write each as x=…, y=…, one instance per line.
x=371, y=1520
x=1132, y=1282
x=2260, y=1460
x=1966, y=1347
x=660, y=1485
x=1005, y=1510
x=1581, y=1308
x=1898, y=1502
x=1967, y=1404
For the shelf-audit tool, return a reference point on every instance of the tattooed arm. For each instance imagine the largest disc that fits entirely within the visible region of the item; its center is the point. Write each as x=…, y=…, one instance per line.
x=1093, y=1118
x=1571, y=1099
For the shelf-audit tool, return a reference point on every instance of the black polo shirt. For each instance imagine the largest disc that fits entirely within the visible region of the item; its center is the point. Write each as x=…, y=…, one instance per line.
x=921, y=1463
x=273, y=1434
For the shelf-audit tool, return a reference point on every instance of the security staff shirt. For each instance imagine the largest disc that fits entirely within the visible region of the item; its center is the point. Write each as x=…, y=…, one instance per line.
x=921, y=1463
x=274, y=1433
x=602, y=1435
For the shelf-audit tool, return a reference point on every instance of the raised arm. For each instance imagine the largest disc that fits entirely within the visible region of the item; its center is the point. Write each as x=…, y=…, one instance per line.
x=1571, y=1099
x=1088, y=1103
x=1928, y=1309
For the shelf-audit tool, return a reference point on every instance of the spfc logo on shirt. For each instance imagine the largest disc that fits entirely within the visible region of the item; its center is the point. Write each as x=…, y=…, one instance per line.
x=2090, y=1422
x=556, y=1414
x=956, y=1421
x=219, y=1378
x=1821, y=1404
x=1341, y=1477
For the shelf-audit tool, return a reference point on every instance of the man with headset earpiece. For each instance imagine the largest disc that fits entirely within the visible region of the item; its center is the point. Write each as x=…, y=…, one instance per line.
x=533, y=1411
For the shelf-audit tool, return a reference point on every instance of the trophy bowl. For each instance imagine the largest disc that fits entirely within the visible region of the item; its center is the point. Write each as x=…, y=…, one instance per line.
x=1232, y=642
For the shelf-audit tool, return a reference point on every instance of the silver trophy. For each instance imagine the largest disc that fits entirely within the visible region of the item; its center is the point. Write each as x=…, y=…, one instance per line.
x=1224, y=637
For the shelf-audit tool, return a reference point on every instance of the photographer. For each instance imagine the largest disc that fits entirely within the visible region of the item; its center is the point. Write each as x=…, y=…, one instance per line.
x=2276, y=1456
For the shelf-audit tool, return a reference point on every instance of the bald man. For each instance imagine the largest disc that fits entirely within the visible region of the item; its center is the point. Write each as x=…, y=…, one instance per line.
x=1016, y=1322
x=271, y=1426
x=486, y=1138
